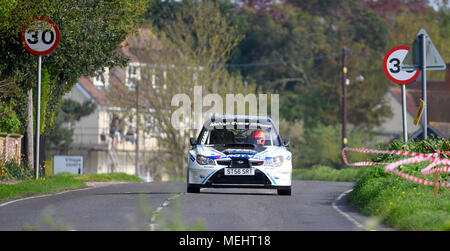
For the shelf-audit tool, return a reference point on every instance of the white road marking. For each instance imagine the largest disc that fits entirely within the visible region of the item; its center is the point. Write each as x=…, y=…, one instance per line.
x=90, y=185
x=41, y=196
x=348, y=217
x=153, y=225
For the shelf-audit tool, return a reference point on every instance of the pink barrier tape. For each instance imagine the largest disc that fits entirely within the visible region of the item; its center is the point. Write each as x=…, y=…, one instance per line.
x=429, y=170
x=416, y=158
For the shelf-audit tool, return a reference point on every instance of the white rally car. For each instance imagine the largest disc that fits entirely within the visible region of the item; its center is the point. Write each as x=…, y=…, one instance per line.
x=239, y=151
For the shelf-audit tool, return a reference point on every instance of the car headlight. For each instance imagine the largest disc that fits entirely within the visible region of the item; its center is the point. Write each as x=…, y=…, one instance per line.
x=202, y=160
x=274, y=162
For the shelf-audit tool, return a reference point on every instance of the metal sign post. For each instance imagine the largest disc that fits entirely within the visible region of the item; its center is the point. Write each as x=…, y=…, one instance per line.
x=424, y=57
x=391, y=67
x=405, y=126
x=424, y=87
x=38, y=117
x=39, y=37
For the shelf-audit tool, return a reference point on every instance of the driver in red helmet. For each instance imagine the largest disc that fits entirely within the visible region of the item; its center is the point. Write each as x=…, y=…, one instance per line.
x=258, y=137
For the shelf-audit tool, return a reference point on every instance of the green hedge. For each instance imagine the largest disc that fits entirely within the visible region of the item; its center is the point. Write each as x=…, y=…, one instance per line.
x=401, y=203
x=9, y=122
x=319, y=172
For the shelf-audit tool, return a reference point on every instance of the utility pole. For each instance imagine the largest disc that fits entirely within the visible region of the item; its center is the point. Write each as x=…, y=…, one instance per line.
x=344, y=81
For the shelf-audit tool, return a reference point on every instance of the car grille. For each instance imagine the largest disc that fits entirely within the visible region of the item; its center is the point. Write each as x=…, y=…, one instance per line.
x=220, y=178
x=242, y=165
x=224, y=162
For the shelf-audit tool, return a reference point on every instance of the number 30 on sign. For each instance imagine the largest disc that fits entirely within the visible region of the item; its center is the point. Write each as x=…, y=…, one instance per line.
x=40, y=36
x=391, y=66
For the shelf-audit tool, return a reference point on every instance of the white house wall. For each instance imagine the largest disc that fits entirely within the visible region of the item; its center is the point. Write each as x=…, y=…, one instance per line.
x=89, y=128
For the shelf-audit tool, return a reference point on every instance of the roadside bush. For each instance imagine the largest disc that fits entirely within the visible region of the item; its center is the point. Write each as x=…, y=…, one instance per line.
x=320, y=145
x=9, y=122
x=294, y=131
x=401, y=203
x=12, y=170
x=323, y=146
x=319, y=172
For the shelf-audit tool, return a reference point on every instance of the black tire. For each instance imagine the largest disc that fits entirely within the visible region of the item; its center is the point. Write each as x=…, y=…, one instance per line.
x=284, y=191
x=191, y=189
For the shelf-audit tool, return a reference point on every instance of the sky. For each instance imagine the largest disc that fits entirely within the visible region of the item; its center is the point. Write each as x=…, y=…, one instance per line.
x=436, y=3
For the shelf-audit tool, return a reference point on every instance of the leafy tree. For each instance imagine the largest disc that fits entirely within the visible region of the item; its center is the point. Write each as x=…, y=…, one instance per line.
x=6, y=6
x=158, y=11
x=91, y=32
x=188, y=51
x=299, y=56
x=389, y=8
x=8, y=120
x=405, y=27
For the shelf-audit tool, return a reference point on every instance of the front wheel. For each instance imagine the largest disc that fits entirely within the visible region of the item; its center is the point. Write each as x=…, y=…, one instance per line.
x=191, y=189
x=285, y=191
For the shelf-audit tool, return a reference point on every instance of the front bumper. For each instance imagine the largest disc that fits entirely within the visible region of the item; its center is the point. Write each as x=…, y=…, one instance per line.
x=277, y=178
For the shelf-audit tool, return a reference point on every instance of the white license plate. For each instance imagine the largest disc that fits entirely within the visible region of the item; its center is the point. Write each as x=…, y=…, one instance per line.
x=239, y=171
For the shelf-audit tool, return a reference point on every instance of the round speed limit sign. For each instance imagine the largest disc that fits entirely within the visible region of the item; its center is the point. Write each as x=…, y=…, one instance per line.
x=40, y=36
x=391, y=66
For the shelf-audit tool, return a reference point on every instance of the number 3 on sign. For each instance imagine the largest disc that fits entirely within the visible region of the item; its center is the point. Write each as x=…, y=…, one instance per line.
x=40, y=36
x=391, y=66
x=396, y=65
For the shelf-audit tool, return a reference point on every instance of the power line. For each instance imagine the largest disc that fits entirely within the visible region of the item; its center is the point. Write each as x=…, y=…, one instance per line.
x=335, y=55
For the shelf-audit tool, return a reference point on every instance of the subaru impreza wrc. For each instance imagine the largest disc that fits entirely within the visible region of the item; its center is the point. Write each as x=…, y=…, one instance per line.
x=239, y=152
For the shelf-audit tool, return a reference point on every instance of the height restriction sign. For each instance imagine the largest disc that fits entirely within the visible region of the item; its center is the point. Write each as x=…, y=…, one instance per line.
x=40, y=36
x=391, y=66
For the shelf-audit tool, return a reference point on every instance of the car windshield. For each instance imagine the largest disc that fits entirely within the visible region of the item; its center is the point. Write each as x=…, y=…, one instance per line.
x=244, y=133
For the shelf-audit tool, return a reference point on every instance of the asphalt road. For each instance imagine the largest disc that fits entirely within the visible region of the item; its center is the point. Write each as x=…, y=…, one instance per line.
x=314, y=205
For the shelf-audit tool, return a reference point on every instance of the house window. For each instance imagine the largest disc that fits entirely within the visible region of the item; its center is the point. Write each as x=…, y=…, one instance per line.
x=133, y=75
x=102, y=78
x=159, y=80
x=133, y=72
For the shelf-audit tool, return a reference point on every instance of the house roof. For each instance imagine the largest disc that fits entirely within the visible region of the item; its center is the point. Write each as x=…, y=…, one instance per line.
x=442, y=127
x=438, y=98
x=98, y=95
x=438, y=103
x=432, y=132
x=142, y=40
x=139, y=41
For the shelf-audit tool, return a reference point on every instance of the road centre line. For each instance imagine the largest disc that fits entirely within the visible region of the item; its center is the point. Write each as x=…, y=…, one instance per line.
x=154, y=226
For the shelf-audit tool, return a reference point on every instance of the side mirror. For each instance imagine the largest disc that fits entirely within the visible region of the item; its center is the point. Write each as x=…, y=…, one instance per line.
x=193, y=141
x=286, y=142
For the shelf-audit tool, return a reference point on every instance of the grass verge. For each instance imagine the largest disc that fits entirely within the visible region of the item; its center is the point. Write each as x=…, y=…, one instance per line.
x=58, y=182
x=319, y=172
x=401, y=203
